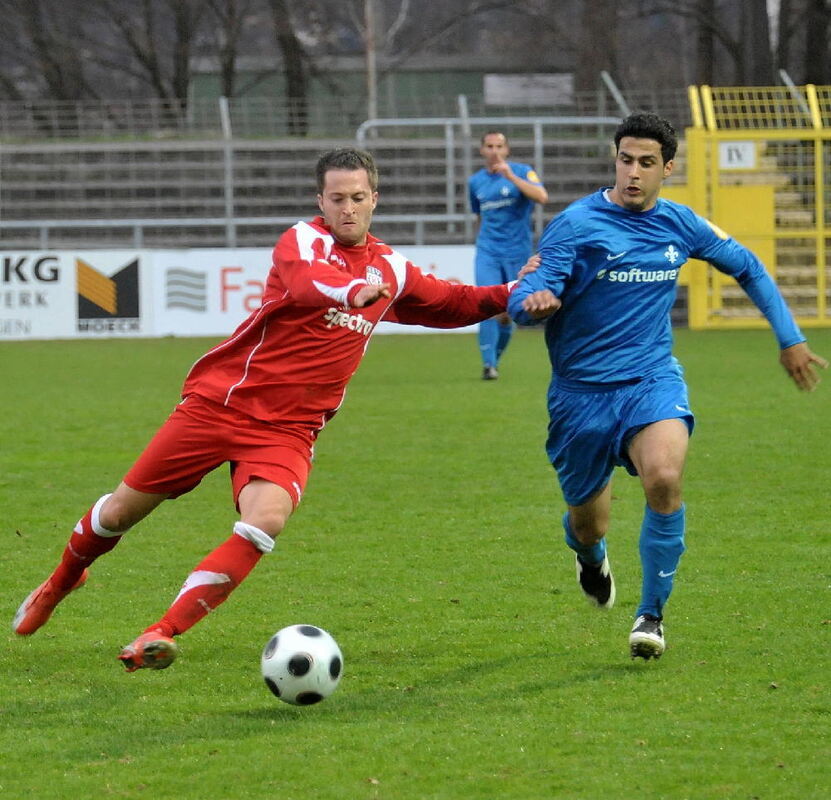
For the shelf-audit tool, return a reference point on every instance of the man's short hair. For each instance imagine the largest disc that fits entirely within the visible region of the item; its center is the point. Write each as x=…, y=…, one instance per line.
x=493, y=133
x=645, y=125
x=349, y=158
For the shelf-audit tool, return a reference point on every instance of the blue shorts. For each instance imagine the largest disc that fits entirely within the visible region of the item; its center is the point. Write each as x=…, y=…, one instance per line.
x=492, y=268
x=590, y=428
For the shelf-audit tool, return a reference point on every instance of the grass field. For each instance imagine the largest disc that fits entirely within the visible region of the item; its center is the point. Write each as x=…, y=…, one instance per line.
x=429, y=544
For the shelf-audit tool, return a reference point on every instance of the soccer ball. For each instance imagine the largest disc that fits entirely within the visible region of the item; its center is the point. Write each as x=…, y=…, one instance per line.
x=302, y=664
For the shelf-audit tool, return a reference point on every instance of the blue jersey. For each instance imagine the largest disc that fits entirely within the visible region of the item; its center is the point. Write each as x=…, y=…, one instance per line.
x=504, y=211
x=616, y=271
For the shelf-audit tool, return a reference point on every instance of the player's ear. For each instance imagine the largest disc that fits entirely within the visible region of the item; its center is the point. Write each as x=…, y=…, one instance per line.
x=668, y=166
x=320, y=202
x=374, y=200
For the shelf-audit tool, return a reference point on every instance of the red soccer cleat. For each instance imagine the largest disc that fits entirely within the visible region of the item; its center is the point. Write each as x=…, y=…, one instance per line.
x=35, y=610
x=151, y=650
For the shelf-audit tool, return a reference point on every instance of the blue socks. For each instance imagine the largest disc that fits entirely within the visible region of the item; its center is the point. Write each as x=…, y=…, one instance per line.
x=661, y=546
x=493, y=339
x=589, y=554
x=505, y=332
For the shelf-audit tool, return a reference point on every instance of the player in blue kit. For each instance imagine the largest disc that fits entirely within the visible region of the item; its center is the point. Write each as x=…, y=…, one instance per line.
x=617, y=395
x=502, y=194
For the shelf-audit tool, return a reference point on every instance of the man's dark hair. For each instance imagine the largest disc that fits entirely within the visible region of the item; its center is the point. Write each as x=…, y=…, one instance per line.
x=645, y=125
x=493, y=133
x=349, y=158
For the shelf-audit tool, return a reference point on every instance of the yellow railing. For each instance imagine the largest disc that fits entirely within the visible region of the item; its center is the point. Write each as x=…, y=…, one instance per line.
x=757, y=164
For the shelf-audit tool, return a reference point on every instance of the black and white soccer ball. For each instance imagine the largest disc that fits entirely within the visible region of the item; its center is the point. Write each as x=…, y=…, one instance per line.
x=302, y=664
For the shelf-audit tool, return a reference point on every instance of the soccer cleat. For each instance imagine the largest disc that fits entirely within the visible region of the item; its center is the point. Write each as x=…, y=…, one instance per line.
x=647, y=638
x=490, y=374
x=35, y=610
x=597, y=582
x=151, y=650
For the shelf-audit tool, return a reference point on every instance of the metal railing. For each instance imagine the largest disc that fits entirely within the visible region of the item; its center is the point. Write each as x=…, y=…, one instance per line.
x=136, y=236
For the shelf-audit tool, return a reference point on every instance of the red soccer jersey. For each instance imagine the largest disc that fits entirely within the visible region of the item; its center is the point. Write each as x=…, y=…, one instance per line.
x=290, y=361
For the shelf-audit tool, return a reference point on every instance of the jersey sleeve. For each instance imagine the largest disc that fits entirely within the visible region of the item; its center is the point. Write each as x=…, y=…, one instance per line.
x=558, y=252
x=474, y=200
x=734, y=259
x=430, y=301
x=527, y=173
x=300, y=260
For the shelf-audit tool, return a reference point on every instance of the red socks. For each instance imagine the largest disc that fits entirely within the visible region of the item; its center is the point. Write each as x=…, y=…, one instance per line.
x=214, y=578
x=84, y=546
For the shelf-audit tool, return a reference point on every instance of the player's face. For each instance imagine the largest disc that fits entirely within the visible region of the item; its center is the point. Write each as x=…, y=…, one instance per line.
x=347, y=203
x=494, y=149
x=639, y=172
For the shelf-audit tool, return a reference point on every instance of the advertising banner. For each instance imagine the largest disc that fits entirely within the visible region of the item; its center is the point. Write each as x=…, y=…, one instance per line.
x=123, y=293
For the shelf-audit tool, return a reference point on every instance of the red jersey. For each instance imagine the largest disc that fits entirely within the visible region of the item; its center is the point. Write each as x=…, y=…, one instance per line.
x=290, y=361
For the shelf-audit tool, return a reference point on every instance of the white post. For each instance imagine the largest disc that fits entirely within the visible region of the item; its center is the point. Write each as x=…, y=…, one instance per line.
x=228, y=172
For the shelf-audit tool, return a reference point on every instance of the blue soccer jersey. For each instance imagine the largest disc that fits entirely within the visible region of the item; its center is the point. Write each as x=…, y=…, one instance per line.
x=616, y=271
x=504, y=211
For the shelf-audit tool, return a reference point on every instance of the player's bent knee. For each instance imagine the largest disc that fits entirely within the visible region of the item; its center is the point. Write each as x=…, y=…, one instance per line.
x=106, y=519
x=663, y=480
x=588, y=534
x=259, y=538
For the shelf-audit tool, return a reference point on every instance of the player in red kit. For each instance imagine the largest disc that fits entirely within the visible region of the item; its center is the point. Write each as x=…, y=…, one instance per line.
x=259, y=399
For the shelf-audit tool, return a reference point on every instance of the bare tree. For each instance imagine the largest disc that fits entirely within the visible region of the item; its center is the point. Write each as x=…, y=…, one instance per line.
x=817, y=19
x=230, y=16
x=47, y=40
x=294, y=67
x=597, y=43
x=757, y=59
x=158, y=37
x=705, y=51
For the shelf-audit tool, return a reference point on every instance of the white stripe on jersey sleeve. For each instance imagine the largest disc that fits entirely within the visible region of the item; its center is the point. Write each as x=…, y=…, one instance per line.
x=399, y=267
x=306, y=236
x=338, y=293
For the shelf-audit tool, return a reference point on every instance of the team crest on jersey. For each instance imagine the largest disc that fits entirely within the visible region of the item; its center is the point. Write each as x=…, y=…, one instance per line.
x=671, y=254
x=374, y=276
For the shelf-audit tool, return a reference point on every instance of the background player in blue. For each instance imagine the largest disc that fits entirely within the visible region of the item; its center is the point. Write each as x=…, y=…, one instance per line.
x=617, y=396
x=502, y=194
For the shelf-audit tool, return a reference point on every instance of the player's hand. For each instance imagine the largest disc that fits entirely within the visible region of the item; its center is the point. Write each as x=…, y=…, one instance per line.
x=541, y=304
x=502, y=168
x=531, y=265
x=800, y=363
x=369, y=294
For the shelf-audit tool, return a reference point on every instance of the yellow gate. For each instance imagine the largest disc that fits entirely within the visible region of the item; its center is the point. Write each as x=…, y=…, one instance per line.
x=757, y=163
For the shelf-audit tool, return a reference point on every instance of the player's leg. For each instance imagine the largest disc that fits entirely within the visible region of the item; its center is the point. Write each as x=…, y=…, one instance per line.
x=580, y=447
x=658, y=452
x=181, y=452
x=585, y=528
x=264, y=509
x=267, y=489
x=505, y=329
x=510, y=267
x=487, y=273
x=96, y=533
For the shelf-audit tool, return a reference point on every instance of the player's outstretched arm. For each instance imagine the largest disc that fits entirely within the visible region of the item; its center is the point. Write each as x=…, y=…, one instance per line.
x=800, y=363
x=370, y=293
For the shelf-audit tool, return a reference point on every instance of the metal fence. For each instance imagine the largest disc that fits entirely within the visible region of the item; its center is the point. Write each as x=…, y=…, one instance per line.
x=232, y=191
x=270, y=116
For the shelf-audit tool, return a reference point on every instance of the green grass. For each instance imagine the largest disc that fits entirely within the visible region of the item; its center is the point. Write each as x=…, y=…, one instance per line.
x=429, y=544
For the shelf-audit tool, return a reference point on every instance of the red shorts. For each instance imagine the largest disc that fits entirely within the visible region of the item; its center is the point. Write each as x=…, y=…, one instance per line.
x=200, y=435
